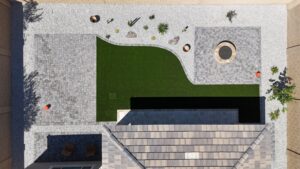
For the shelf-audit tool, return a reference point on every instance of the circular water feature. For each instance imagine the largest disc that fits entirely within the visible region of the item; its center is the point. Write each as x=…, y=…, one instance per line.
x=225, y=52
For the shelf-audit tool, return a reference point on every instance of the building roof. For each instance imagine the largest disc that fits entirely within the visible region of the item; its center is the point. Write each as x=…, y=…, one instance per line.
x=196, y=146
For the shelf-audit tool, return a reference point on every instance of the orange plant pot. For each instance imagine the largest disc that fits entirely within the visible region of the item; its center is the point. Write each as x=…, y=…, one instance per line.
x=47, y=107
x=258, y=74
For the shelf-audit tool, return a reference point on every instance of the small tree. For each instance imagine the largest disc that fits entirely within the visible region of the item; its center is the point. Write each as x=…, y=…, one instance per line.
x=281, y=89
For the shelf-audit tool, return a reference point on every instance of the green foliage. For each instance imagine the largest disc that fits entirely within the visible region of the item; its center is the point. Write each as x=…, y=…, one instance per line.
x=281, y=89
x=151, y=17
x=132, y=22
x=146, y=27
x=283, y=95
x=185, y=29
x=284, y=109
x=231, y=14
x=163, y=28
x=31, y=13
x=274, y=115
x=274, y=70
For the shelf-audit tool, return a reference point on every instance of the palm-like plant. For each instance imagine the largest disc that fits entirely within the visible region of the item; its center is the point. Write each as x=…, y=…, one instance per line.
x=274, y=115
x=274, y=70
x=231, y=14
x=163, y=28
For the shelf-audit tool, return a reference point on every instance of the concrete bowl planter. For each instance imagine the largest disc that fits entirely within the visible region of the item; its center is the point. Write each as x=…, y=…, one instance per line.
x=95, y=18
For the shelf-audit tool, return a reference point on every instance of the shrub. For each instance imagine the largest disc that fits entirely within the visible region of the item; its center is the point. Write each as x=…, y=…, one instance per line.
x=163, y=28
x=231, y=14
x=108, y=21
x=151, y=17
x=153, y=37
x=117, y=30
x=274, y=70
x=185, y=29
x=281, y=89
x=107, y=36
x=132, y=22
x=274, y=115
x=146, y=27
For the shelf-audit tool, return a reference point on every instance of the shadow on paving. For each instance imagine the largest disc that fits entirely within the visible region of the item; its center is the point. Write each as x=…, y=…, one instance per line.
x=17, y=43
x=250, y=110
x=56, y=144
x=31, y=100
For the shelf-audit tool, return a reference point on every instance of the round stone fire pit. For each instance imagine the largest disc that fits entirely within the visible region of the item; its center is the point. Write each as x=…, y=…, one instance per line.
x=225, y=52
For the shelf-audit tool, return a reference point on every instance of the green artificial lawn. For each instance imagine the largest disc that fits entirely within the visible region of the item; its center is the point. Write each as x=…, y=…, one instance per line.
x=134, y=71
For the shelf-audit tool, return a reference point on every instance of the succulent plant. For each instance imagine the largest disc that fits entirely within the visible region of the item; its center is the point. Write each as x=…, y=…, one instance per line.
x=163, y=28
x=185, y=29
x=231, y=14
x=132, y=22
x=274, y=70
x=274, y=115
x=151, y=17
x=146, y=27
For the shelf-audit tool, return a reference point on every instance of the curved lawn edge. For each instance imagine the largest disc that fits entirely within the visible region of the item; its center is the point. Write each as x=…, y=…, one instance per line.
x=154, y=46
x=124, y=72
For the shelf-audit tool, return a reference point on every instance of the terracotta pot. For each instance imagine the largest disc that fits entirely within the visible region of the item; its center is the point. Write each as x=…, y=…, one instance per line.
x=258, y=74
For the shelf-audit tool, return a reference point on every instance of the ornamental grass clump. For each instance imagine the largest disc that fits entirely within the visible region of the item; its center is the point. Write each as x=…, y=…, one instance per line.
x=163, y=28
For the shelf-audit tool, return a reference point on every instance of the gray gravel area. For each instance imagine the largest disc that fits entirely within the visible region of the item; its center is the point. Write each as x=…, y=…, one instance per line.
x=66, y=67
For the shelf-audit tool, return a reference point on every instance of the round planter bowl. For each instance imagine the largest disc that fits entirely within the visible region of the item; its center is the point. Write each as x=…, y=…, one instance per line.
x=186, y=47
x=95, y=18
x=225, y=52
